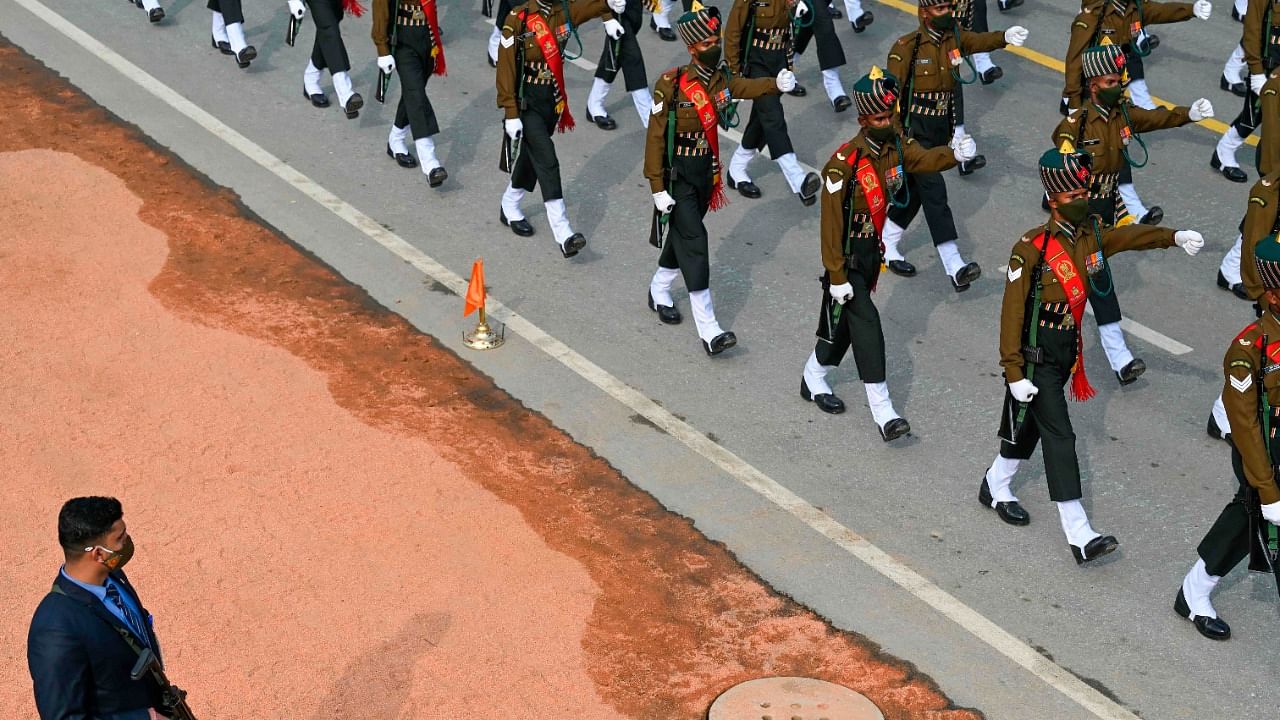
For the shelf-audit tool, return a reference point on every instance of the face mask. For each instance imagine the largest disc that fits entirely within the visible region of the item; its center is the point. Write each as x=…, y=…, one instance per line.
x=709, y=57
x=1074, y=212
x=117, y=559
x=1110, y=97
x=882, y=134
x=942, y=22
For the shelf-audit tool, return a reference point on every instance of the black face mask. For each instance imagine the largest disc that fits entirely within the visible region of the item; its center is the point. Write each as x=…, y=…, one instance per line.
x=710, y=57
x=1074, y=212
x=1110, y=97
x=942, y=22
x=882, y=134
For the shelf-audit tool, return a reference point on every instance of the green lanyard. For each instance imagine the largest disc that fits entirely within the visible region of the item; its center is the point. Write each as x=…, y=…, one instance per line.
x=955, y=69
x=1146, y=154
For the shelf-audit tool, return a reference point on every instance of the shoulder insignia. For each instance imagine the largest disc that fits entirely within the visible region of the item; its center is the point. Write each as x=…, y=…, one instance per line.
x=1028, y=238
x=835, y=172
x=1245, y=342
x=841, y=157
x=1241, y=384
x=508, y=40
x=657, y=107
x=1241, y=363
x=895, y=56
x=907, y=141
x=1082, y=25
x=1016, y=259
x=1015, y=273
x=1272, y=91
x=1258, y=200
x=658, y=94
x=1265, y=182
x=834, y=187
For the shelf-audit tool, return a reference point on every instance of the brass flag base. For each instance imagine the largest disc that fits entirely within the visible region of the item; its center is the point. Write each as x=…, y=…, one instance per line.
x=483, y=337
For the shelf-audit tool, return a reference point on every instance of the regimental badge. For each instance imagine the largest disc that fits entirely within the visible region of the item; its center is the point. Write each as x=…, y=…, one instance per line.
x=702, y=143
x=1066, y=271
x=723, y=98
x=954, y=56
x=893, y=178
x=1094, y=263
x=562, y=32
x=545, y=74
x=1125, y=134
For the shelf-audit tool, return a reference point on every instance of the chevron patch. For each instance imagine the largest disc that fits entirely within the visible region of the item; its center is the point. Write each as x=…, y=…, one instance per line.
x=657, y=108
x=834, y=187
x=1241, y=384
x=508, y=42
x=1015, y=273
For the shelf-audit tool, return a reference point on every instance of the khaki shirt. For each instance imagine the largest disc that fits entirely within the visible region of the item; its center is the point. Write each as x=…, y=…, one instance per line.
x=508, y=76
x=841, y=186
x=769, y=15
x=932, y=69
x=1240, y=397
x=1026, y=256
x=1269, y=145
x=1085, y=31
x=1103, y=135
x=1254, y=39
x=1259, y=221
x=384, y=17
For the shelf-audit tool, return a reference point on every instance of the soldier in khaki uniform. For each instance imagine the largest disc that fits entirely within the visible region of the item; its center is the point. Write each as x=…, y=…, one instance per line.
x=682, y=164
x=1251, y=392
x=1040, y=345
x=860, y=182
x=1268, y=160
x=1260, y=41
x=416, y=55
x=926, y=61
x=1110, y=128
x=535, y=104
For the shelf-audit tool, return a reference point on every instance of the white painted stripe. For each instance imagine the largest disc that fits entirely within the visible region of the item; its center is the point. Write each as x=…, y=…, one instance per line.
x=857, y=546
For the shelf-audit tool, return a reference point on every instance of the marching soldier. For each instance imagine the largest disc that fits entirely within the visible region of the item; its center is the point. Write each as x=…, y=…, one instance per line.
x=1260, y=41
x=622, y=55
x=535, y=101
x=1110, y=129
x=822, y=32
x=660, y=19
x=1268, y=161
x=406, y=34
x=328, y=52
x=1040, y=344
x=228, y=32
x=1251, y=393
x=927, y=61
x=682, y=163
x=861, y=180
x=859, y=19
x=759, y=42
x=1124, y=22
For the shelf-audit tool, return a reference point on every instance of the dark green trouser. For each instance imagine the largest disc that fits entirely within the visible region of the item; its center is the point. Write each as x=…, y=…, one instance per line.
x=1227, y=542
x=858, y=327
x=1047, y=419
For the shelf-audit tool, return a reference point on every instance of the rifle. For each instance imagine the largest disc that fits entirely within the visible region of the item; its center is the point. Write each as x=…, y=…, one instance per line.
x=291, y=33
x=658, y=230
x=172, y=697
x=1033, y=354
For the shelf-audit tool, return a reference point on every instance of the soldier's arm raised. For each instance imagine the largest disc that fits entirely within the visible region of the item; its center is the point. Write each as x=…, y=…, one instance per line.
x=918, y=159
x=983, y=42
x=1135, y=237
x=1163, y=13
x=1158, y=119
x=749, y=88
x=583, y=11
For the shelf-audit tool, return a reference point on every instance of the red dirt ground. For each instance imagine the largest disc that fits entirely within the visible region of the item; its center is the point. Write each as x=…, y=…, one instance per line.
x=336, y=517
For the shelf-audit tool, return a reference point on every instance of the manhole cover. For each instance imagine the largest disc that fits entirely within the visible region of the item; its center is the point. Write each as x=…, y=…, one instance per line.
x=792, y=698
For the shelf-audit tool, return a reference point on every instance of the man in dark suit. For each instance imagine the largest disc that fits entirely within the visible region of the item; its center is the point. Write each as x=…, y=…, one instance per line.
x=88, y=631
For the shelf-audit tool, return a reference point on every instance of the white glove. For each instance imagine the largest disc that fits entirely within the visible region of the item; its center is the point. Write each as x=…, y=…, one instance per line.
x=1188, y=240
x=786, y=81
x=613, y=29
x=297, y=9
x=386, y=64
x=618, y=6
x=1016, y=35
x=801, y=9
x=841, y=293
x=1271, y=513
x=663, y=201
x=1200, y=110
x=964, y=148
x=1256, y=82
x=514, y=127
x=1201, y=9
x=1023, y=390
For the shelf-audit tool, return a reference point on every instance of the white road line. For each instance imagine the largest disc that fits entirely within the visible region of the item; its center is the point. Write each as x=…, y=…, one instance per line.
x=906, y=578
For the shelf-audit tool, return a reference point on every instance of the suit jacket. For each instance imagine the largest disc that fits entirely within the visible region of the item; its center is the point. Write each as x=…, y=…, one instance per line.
x=79, y=662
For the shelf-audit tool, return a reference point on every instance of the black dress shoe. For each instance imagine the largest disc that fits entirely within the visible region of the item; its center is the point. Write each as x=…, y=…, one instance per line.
x=720, y=343
x=668, y=314
x=246, y=56
x=321, y=100
x=1096, y=548
x=901, y=267
x=1238, y=89
x=1215, y=432
x=223, y=47
x=436, y=177
x=576, y=242
x=665, y=34
x=965, y=276
x=842, y=103
x=1151, y=42
x=1153, y=216
x=809, y=189
x=352, y=108
x=1212, y=628
x=1007, y=5
x=604, y=122
x=861, y=22
x=1130, y=373
x=746, y=188
x=156, y=15
x=404, y=160
x=520, y=227
x=1236, y=289
x=834, y=12
x=1010, y=512
x=894, y=429
x=826, y=402
x=798, y=91
x=991, y=75
x=977, y=163
x=1230, y=172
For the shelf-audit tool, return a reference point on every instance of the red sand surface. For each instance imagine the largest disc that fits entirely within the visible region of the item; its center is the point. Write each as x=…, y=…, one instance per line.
x=335, y=517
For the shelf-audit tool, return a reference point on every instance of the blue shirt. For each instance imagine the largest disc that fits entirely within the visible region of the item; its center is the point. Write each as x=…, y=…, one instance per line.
x=100, y=592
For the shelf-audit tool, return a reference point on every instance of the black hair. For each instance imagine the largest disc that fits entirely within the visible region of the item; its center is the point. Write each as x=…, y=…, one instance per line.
x=84, y=520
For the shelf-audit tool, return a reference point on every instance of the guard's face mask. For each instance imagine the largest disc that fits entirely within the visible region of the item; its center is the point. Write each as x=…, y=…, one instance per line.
x=1074, y=212
x=882, y=134
x=116, y=559
x=710, y=57
x=1110, y=97
x=942, y=22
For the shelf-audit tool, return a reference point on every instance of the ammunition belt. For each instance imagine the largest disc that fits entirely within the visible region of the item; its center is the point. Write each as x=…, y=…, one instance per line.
x=410, y=15
x=861, y=227
x=1056, y=316
x=931, y=104
x=771, y=38
x=538, y=73
x=692, y=144
x=1104, y=184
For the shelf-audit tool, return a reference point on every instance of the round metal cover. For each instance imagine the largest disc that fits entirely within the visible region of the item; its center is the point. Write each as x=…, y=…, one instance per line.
x=792, y=698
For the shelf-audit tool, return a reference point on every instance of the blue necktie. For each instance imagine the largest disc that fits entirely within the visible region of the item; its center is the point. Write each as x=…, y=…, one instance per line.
x=131, y=618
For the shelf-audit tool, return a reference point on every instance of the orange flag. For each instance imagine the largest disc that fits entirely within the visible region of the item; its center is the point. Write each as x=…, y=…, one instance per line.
x=475, y=289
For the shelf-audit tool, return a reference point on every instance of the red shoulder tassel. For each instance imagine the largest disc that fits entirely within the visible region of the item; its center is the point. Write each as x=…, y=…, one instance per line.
x=353, y=7
x=1081, y=390
x=718, y=198
x=566, y=121
x=440, y=68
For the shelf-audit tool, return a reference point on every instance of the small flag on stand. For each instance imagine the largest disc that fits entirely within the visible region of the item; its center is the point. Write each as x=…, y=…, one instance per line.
x=481, y=338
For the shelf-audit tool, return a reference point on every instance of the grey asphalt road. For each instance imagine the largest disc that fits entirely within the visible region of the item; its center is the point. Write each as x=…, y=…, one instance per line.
x=1152, y=477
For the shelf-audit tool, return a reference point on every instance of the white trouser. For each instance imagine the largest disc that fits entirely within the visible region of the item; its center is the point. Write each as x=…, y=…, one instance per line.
x=1220, y=416
x=738, y=164
x=662, y=16
x=852, y=9
x=949, y=254
x=235, y=36
x=219, y=28
x=558, y=218
x=396, y=138
x=311, y=80
x=1227, y=146
x=982, y=62
x=1140, y=95
x=880, y=403
x=1075, y=523
x=495, y=37
x=1230, y=267
x=1133, y=203
x=426, y=154
x=342, y=86
x=643, y=102
x=595, y=99
x=511, y=198
x=832, y=83
x=999, y=476
x=1235, y=69
x=891, y=236
x=792, y=171
x=1196, y=587
x=815, y=375
x=149, y=5
x=704, y=315
x=660, y=285
x=1112, y=339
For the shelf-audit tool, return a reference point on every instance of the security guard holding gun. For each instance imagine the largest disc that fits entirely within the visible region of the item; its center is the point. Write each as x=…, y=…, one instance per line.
x=682, y=164
x=759, y=42
x=1261, y=43
x=535, y=101
x=406, y=34
x=1040, y=344
x=862, y=179
x=1251, y=393
x=1110, y=128
x=622, y=55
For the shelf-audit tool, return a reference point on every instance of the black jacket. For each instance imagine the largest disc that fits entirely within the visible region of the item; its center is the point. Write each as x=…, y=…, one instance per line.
x=79, y=662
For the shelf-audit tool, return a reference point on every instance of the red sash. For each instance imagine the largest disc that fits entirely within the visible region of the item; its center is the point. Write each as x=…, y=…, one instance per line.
x=697, y=94
x=1064, y=269
x=353, y=7
x=869, y=180
x=437, y=45
x=551, y=53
